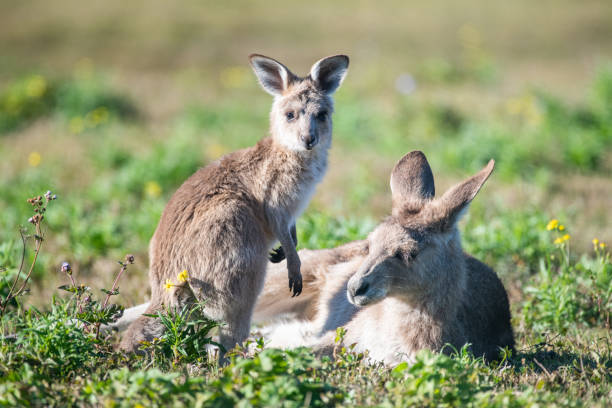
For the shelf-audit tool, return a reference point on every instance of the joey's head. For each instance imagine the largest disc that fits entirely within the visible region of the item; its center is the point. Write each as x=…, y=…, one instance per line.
x=417, y=250
x=301, y=112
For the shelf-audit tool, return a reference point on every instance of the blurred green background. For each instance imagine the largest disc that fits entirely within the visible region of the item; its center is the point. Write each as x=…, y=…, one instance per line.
x=112, y=105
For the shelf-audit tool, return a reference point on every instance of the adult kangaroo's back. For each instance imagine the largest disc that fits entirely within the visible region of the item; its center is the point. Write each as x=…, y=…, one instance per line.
x=221, y=223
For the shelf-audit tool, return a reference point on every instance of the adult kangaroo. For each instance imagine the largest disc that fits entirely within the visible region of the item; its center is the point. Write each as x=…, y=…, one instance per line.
x=408, y=286
x=222, y=222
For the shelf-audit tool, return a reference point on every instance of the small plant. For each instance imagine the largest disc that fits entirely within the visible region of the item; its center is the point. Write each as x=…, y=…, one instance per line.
x=19, y=285
x=90, y=312
x=569, y=292
x=185, y=338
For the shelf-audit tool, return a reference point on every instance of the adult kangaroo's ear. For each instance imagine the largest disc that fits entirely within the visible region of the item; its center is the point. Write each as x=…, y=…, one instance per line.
x=412, y=183
x=449, y=208
x=329, y=72
x=273, y=76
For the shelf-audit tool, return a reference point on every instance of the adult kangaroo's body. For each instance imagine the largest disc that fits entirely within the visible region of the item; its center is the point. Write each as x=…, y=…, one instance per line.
x=408, y=287
x=221, y=223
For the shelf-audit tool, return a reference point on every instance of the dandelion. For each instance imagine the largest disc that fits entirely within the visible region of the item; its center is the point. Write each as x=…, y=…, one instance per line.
x=562, y=239
x=552, y=224
x=602, y=245
x=34, y=159
x=76, y=125
x=152, y=189
x=97, y=117
x=36, y=87
x=183, y=276
x=561, y=227
x=168, y=285
x=595, y=241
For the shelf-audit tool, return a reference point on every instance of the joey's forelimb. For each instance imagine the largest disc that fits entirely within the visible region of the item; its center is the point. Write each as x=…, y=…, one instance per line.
x=278, y=254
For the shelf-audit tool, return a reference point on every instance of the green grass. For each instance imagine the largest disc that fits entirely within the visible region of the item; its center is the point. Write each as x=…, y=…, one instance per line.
x=564, y=353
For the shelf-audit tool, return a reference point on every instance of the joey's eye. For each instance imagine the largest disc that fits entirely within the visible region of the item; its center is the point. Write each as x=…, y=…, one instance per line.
x=322, y=115
x=398, y=255
x=290, y=115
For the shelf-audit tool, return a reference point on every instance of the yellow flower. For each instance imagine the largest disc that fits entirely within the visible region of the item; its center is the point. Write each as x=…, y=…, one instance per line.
x=561, y=227
x=168, y=284
x=562, y=239
x=552, y=224
x=34, y=159
x=602, y=245
x=36, y=87
x=183, y=276
x=152, y=189
x=76, y=125
x=595, y=241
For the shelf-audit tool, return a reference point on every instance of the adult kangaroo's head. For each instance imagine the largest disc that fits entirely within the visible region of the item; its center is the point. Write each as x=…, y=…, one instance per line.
x=301, y=112
x=416, y=252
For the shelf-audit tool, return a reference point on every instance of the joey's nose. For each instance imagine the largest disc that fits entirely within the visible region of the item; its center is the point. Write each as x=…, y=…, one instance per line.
x=310, y=141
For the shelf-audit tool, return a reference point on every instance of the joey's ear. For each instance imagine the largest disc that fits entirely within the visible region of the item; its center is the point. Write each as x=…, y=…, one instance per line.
x=329, y=72
x=448, y=209
x=273, y=76
x=412, y=182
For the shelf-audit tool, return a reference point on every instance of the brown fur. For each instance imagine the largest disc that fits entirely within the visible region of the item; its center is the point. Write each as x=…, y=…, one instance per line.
x=221, y=223
x=409, y=286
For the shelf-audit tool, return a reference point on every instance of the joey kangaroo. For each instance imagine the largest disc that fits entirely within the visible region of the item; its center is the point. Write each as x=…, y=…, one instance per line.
x=409, y=286
x=221, y=223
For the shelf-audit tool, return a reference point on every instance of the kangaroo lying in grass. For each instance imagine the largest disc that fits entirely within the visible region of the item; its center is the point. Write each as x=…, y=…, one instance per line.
x=221, y=223
x=407, y=287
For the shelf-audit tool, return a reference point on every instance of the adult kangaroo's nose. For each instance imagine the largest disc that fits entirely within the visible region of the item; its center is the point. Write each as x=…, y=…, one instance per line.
x=358, y=288
x=362, y=289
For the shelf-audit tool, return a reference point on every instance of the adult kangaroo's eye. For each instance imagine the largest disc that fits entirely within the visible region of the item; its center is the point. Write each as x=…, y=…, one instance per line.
x=322, y=115
x=290, y=116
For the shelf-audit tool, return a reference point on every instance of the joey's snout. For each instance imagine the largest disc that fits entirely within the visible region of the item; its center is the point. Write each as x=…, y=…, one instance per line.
x=310, y=141
x=311, y=138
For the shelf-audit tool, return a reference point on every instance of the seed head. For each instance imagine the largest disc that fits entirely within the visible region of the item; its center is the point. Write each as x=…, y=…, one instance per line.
x=66, y=268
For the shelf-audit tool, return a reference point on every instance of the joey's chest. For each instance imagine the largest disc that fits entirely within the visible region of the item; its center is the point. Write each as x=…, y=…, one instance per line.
x=295, y=187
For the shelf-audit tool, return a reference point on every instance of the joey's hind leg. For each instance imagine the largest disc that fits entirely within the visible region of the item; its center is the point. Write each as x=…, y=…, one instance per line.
x=235, y=331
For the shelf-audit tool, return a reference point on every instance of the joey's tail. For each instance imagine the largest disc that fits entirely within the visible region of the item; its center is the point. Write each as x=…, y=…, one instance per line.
x=129, y=316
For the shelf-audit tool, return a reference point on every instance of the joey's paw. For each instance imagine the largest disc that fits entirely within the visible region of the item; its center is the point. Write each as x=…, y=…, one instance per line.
x=276, y=255
x=295, y=284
